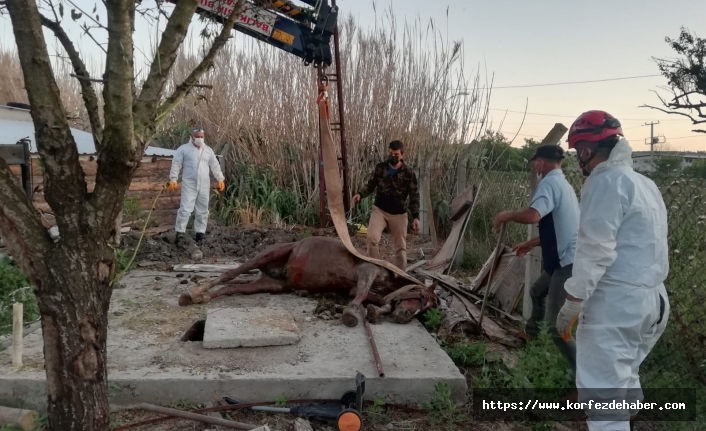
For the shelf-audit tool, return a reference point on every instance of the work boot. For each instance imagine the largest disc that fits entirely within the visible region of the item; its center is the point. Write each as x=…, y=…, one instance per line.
x=199, y=236
x=401, y=261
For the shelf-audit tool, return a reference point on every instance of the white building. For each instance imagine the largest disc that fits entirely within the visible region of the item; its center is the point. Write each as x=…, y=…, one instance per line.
x=642, y=160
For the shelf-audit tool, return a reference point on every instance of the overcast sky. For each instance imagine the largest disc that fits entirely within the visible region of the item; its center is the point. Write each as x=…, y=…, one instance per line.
x=547, y=42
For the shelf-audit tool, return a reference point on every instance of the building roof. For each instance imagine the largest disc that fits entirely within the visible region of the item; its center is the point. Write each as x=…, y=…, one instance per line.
x=16, y=124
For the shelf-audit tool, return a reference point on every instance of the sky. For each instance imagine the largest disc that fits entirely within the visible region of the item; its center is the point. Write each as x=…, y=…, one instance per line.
x=544, y=42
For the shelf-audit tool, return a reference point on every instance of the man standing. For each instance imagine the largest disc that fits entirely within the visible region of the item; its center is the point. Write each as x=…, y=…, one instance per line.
x=555, y=207
x=616, y=291
x=197, y=159
x=395, y=183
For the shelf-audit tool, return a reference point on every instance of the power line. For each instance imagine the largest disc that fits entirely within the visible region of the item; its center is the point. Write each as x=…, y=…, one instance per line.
x=570, y=83
x=569, y=116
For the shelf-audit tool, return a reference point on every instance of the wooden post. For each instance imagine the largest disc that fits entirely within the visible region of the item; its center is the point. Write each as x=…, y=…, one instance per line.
x=18, y=418
x=460, y=187
x=426, y=204
x=17, y=310
x=534, y=258
x=422, y=179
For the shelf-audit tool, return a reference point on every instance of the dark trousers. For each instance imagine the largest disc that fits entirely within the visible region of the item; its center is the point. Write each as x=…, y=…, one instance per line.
x=548, y=296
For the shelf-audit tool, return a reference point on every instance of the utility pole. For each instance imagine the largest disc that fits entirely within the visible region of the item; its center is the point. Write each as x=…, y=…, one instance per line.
x=652, y=141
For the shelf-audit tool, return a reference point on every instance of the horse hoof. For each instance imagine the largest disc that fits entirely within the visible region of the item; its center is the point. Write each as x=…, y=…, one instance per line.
x=373, y=313
x=185, y=299
x=349, y=319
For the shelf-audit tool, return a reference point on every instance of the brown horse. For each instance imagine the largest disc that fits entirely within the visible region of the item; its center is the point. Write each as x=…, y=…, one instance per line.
x=322, y=265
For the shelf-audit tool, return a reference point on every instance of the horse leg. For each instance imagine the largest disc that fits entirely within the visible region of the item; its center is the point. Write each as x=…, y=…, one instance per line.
x=274, y=256
x=263, y=285
x=366, y=272
x=374, y=313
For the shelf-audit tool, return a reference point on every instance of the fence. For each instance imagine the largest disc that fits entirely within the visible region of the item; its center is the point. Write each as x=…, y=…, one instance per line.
x=679, y=359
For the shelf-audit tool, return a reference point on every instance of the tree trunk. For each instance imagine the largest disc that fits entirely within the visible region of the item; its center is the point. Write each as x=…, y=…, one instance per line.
x=74, y=301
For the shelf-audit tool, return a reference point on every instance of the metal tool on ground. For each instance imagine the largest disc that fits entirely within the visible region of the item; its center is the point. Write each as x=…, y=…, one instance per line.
x=345, y=414
x=373, y=346
x=496, y=254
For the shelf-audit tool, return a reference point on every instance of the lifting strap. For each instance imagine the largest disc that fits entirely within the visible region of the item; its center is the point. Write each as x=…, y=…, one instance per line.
x=334, y=192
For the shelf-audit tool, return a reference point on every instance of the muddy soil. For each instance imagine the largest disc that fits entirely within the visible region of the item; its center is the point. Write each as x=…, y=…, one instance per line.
x=238, y=243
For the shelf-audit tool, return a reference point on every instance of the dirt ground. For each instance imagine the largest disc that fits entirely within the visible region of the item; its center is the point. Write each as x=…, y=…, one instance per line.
x=243, y=242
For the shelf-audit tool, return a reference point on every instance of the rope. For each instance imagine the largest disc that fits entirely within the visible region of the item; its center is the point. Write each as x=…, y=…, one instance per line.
x=142, y=235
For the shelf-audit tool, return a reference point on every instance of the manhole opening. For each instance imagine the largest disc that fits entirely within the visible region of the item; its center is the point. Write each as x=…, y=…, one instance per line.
x=195, y=333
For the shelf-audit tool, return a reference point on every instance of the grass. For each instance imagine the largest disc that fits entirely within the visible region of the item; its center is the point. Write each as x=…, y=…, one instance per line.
x=15, y=287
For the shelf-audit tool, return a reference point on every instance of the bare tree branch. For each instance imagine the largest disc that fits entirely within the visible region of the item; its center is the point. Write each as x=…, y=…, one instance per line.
x=118, y=157
x=88, y=33
x=23, y=233
x=164, y=59
x=85, y=78
x=206, y=63
x=90, y=100
x=64, y=179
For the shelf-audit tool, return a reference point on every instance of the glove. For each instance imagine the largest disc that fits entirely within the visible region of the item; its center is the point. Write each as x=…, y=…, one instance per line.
x=221, y=186
x=171, y=186
x=567, y=318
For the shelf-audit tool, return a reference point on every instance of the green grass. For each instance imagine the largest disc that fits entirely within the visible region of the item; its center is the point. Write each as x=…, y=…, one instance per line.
x=12, y=289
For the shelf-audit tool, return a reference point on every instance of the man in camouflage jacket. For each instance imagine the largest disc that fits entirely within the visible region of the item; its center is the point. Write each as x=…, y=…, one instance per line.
x=395, y=183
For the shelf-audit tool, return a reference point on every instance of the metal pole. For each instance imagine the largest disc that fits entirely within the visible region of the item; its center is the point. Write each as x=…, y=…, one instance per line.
x=341, y=116
x=322, y=178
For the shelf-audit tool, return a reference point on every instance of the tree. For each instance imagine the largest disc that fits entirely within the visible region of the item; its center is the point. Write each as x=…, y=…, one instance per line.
x=72, y=277
x=687, y=79
x=697, y=169
x=498, y=155
x=666, y=164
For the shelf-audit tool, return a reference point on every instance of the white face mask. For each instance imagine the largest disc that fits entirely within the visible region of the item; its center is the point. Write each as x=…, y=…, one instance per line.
x=198, y=141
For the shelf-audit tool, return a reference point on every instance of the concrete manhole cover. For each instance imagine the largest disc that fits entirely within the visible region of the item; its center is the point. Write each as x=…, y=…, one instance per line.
x=249, y=327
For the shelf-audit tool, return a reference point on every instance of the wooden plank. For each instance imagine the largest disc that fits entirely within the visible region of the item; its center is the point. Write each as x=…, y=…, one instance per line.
x=458, y=251
x=416, y=265
x=159, y=229
x=533, y=259
x=489, y=327
x=507, y=289
x=450, y=246
x=455, y=287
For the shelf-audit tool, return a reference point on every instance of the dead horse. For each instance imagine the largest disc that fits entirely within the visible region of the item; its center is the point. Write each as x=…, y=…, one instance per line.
x=322, y=265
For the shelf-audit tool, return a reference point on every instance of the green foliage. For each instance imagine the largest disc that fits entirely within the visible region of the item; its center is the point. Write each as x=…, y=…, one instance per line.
x=173, y=137
x=541, y=365
x=697, y=169
x=441, y=408
x=131, y=208
x=666, y=164
x=281, y=400
x=15, y=287
x=432, y=318
x=377, y=411
x=467, y=354
x=498, y=155
x=258, y=194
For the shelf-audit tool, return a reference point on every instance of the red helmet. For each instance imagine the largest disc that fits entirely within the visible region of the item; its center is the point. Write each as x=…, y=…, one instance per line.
x=594, y=126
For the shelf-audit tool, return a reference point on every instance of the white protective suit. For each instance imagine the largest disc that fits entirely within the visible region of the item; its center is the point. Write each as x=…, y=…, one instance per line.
x=195, y=183
x=620, y=265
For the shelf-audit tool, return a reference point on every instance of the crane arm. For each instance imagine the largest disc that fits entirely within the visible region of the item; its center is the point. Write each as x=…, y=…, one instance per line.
x=302, y=31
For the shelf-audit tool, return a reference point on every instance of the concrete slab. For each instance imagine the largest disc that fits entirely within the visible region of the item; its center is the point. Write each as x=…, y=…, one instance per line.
x=147, y=362
x=249, y=327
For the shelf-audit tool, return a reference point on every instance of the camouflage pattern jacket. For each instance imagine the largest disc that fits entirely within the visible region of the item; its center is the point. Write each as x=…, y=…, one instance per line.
x=393, y=190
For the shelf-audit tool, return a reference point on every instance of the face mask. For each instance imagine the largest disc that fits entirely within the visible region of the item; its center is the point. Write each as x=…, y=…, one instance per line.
x=198, y=141
x=393, y=160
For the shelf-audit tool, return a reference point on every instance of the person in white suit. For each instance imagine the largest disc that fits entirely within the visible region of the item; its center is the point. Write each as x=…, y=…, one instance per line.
x=197, y=160
x=616, y=292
